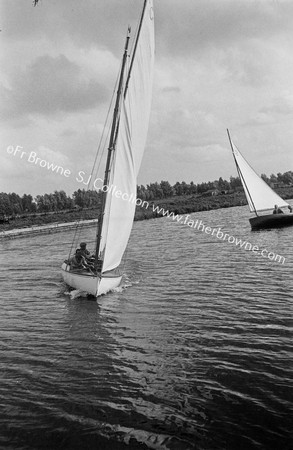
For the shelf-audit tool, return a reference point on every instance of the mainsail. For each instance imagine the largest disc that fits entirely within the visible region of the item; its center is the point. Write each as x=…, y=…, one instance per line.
x=130, y=143
x=259, y=195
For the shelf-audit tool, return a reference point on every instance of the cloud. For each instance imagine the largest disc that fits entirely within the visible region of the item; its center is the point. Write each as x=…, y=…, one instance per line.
x=87, y=24
x=219, y=64
x=278, y=109
x=36, y=168
x=50, y=85
x=280, y=105
x=189, y=28
x=181, y=27
x=170, y=89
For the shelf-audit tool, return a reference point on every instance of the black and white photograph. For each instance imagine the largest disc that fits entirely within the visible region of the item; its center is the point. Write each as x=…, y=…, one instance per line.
x=146, y=225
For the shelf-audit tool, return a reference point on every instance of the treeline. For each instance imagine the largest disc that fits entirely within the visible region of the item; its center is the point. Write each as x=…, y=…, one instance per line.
x=281, y=179
x=155, y=191
x=12, y=204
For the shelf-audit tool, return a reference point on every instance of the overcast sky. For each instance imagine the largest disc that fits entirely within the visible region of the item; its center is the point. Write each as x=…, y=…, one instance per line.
x=219, y=64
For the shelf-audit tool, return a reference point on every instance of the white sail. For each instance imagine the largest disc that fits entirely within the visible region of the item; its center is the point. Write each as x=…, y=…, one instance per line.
x=259, y=195
x=133, y=126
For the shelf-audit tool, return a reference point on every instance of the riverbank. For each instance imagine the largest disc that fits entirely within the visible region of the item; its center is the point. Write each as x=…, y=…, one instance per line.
x=195, y=203
x=44, y=229
x=48, y=222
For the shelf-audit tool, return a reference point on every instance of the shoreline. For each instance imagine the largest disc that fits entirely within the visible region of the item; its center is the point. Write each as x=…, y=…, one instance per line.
x=45, y=229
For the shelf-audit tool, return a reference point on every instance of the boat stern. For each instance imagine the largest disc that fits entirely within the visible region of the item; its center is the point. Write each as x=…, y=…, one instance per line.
x=92, y=284
x=271, y=221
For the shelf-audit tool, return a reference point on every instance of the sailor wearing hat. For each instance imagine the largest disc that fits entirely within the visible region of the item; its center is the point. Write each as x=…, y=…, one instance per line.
x=84, y=250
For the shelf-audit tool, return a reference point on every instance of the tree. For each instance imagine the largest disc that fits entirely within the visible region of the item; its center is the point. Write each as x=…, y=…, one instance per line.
x=286, y=178
x=178, y=188
x=79, y=197
x=62, y=200
x=155, y=191
x=202, y=187
x=5, y=205
x=265, y=178
x=192, y=189
x=185, y=187
x=141, y=192
x=273, y=178
x=223, y=185
x=87, y=199
x=167, y=189
x=27, y=203
x=235, y=182
x=15, y=202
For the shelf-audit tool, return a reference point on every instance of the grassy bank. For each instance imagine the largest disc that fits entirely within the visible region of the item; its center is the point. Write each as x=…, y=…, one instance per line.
x=195, y=203
x=178, y=205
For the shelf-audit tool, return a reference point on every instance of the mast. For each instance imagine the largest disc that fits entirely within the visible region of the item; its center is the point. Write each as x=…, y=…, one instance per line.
x=135, y=47
x=240, y=173
x=115, y=124
x=112, y=143
x=132, y=58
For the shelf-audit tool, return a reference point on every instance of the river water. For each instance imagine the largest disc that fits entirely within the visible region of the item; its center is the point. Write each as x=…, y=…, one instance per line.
x=193, y=352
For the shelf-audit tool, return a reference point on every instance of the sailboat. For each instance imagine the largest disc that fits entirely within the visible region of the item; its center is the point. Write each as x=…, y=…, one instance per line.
x=127, y=140
x=260, y=196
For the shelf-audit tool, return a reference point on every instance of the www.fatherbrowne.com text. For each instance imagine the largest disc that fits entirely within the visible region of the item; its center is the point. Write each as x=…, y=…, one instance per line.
x=219, y=234
x=195, y=224
x=112, y=190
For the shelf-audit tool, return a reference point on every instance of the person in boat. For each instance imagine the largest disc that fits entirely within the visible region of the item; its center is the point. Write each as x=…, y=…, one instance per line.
x=290, y=208
x=84, y=251
x=89, y=259
x=277, y=210
x=77, y=261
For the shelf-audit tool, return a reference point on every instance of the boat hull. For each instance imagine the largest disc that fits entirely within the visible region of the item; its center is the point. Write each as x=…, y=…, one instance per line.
x=94, y=285
x=271, y=221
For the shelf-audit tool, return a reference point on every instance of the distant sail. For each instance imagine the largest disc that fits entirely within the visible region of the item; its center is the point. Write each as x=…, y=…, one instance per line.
x=259, y=195
x=133, y=127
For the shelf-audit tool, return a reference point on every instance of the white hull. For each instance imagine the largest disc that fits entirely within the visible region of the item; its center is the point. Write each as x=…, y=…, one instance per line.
x=94, y=285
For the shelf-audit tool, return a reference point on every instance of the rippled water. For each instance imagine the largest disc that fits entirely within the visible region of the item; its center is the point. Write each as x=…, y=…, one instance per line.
x=195, y=352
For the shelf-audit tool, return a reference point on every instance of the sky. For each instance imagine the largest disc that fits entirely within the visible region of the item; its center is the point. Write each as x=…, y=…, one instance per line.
x=219, y=64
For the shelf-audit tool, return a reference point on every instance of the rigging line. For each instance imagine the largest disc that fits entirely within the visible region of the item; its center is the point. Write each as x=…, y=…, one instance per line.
x=77, y=232
x=111, y=197
x=134, y=48
x=108, y=132
x=110, y=168
x=100, y=142
x=98, y=152
x=111, y=148
x=244, y=183
x=113, y=159
x=125, y=259
x=102, y=153
x=110, y=200
x=72, y=243
x=79, y=225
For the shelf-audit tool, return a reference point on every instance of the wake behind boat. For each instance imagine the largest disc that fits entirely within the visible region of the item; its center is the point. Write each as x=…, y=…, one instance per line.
x=260, y=196
x=101, y=273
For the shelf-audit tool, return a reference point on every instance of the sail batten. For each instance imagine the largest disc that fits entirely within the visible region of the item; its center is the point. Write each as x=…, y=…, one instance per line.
x=259, y=195
x=129, y=148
